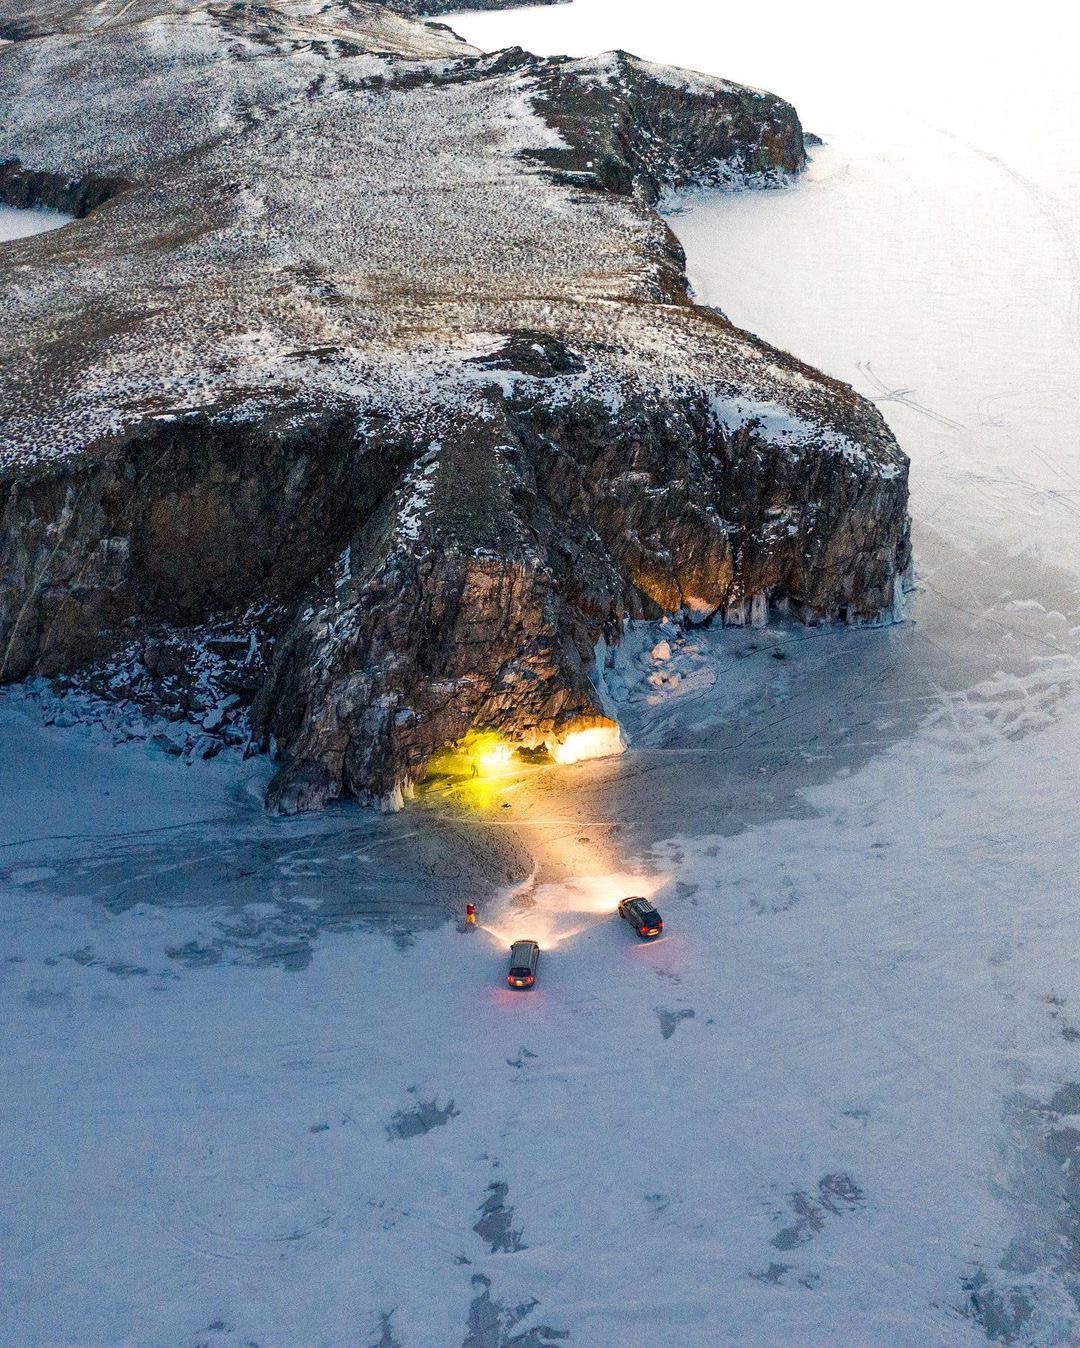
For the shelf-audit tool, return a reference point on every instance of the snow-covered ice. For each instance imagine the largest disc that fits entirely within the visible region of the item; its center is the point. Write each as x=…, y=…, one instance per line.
x=20, y=224
x=256, y=1089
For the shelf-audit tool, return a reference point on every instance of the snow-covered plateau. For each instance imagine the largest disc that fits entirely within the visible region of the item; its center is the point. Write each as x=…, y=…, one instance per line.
x=261, y=1088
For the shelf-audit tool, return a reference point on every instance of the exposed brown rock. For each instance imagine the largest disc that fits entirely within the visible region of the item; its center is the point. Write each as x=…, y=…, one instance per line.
x=396, y=348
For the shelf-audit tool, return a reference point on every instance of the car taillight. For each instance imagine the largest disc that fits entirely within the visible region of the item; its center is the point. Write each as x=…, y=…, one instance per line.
x=643, y=931
x=529, y=979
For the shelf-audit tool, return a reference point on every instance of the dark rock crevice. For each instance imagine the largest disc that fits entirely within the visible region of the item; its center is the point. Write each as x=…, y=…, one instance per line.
x=27, y=188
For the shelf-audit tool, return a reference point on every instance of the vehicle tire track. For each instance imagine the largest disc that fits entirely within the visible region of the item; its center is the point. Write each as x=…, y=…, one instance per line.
x=1047, y=208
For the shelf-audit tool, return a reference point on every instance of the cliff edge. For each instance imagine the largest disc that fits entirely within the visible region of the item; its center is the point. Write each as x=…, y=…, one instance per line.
x=377, y=347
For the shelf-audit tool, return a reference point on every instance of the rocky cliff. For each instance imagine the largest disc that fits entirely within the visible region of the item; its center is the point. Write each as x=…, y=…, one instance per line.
x=382, y=339
x=417, y=9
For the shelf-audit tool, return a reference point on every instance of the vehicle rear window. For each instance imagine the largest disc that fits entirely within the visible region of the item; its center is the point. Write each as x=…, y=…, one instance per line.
x=650, y=918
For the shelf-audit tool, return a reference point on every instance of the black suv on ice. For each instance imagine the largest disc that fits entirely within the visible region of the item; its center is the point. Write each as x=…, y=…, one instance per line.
x=642, y=916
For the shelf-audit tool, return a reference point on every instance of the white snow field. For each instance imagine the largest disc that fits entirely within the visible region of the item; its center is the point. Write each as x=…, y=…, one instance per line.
x=257, y=1091
x=20, y=224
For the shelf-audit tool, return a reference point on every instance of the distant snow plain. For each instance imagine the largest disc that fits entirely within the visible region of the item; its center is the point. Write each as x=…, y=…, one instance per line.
x=256, y=1091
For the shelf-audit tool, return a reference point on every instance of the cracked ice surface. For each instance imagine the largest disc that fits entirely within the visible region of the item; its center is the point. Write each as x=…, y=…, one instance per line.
x=256, y=1090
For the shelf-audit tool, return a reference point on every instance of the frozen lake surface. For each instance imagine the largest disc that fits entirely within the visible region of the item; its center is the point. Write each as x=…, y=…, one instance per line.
x=20, y=224
x=257, y=1090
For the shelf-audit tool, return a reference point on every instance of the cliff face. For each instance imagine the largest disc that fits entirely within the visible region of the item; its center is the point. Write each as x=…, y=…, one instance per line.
x=383, y=337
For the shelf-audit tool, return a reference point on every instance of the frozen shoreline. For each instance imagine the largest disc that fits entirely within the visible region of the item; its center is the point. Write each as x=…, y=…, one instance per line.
x=249, y=1103
x=21, y=224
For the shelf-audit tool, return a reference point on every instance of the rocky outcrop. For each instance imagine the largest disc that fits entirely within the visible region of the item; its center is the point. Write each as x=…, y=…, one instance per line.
x=632, y=124
x=371, y=21
x=382, y=339
x=20, y=19
x=418, y=9
x=26, y=188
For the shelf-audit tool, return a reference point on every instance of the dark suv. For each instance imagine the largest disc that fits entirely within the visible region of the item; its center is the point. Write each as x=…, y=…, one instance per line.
x=524, y=957
x=642, y=916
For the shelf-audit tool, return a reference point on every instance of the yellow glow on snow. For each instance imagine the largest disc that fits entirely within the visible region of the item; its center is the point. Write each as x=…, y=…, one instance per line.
x=598, y=741
x=552, y=914
x=485, y=792
x=535, y=929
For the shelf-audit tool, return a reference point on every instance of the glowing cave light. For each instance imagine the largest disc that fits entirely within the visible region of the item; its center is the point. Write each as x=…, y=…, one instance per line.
x=491, y=755
x=599, y=741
